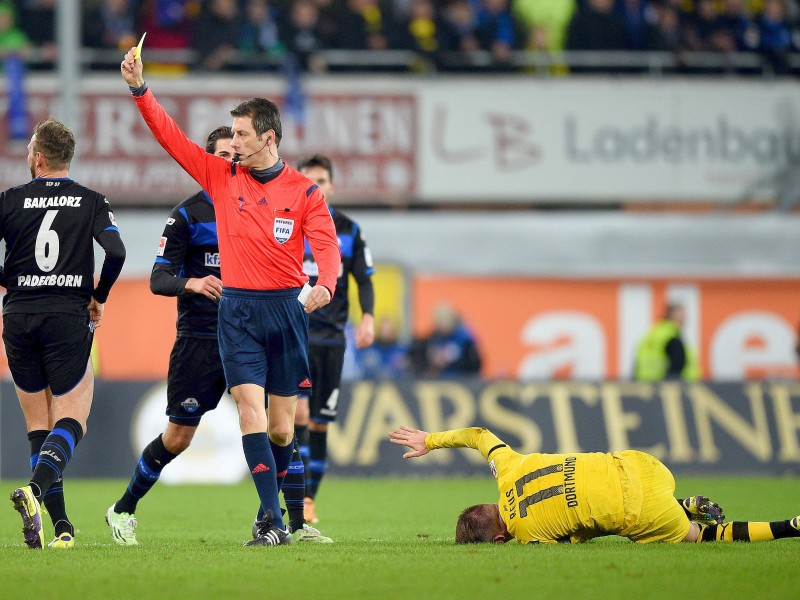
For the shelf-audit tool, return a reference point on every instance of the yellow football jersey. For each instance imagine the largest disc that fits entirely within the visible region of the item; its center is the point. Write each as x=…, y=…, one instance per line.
x=549, y=497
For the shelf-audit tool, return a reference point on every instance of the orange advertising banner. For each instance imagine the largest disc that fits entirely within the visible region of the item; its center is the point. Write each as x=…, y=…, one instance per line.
x=530, y=329
x=137, y=333
x=589, y=329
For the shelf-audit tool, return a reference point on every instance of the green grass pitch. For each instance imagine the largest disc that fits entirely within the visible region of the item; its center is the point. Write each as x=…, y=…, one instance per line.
x=393, y=540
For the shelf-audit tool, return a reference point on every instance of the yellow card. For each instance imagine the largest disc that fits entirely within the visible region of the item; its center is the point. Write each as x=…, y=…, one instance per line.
x=138, y=53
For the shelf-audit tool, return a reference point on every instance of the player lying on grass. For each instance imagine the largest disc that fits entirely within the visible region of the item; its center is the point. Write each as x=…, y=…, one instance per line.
x=552, y=498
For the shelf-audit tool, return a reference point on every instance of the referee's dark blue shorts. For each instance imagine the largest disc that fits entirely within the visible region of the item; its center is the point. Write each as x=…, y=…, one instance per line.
x=263, y=339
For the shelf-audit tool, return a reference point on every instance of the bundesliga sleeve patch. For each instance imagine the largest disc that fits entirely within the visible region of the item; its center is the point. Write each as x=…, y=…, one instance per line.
x=162, y=244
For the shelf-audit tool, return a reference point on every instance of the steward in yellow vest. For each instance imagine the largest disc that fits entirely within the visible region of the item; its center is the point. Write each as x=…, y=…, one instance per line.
x=662, y=353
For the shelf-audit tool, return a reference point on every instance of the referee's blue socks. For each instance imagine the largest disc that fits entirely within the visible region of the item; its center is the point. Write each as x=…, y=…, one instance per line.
x=258, y=454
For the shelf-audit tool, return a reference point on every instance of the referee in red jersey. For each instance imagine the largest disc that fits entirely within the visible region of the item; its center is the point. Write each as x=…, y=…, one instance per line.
x=265, y=209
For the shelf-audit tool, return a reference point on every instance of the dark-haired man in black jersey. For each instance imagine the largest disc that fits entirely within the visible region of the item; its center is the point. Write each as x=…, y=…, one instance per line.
x=326, y=339
x=187, y=266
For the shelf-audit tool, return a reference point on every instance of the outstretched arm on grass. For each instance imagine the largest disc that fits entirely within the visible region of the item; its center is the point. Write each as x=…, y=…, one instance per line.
x=412, y=438
x=421, y=442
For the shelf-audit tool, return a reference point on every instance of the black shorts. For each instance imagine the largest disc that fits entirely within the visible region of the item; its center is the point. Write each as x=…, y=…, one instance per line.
x=196, y=381
x=326, y=362
x=47, y=350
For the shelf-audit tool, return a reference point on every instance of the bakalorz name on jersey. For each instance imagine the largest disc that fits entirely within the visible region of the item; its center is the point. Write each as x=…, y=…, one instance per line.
x=72, y=201
x=40, y=280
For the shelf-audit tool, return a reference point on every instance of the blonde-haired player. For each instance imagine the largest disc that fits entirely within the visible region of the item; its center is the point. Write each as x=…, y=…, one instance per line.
x=548, y=498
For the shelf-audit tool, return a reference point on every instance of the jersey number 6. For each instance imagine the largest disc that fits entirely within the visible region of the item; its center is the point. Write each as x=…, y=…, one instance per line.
x=47, y=245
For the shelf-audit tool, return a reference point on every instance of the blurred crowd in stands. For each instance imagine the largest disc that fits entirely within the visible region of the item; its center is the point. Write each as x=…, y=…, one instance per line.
x=221, y=35
x=449, y=349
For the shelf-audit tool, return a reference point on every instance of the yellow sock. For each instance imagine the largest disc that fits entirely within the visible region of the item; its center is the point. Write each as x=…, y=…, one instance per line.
x=760, y=532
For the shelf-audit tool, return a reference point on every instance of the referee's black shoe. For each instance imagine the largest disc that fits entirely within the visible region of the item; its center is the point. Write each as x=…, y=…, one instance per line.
x=268, y=534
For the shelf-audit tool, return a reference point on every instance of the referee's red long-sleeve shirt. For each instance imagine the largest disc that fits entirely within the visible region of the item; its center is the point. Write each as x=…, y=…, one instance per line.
x=260, y=226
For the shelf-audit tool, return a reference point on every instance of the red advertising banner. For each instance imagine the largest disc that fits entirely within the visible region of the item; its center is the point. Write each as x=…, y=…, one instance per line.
x=369, y=136
x=589, y=329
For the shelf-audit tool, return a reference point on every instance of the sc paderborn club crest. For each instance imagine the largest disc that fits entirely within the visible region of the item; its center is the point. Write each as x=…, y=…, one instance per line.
x=282, y=229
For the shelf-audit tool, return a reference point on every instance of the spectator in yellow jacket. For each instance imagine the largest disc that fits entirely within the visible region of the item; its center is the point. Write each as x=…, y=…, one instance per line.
x=663, y=354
